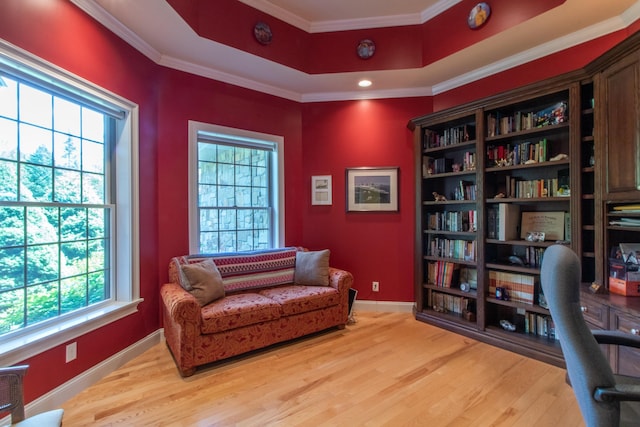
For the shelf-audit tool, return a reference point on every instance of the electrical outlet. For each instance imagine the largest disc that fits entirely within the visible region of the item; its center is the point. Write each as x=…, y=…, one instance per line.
x=72, y=352
x=375, y=286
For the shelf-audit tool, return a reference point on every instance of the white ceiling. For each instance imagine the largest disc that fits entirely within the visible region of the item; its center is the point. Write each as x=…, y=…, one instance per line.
x=156, y=30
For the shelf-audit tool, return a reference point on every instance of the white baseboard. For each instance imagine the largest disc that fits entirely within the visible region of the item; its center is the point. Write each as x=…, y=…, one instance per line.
x=56, y=397
x=386, y=306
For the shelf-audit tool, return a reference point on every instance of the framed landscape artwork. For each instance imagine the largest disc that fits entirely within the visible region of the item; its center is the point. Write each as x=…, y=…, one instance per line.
x=372, y=189
x=321, y=190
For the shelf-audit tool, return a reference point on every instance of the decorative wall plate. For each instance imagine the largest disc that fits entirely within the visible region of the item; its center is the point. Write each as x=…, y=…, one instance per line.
x=262, y=33
x=366, y=48
x=478, y=15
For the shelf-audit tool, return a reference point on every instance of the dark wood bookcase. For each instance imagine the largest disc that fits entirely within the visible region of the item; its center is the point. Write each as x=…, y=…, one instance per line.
x=560, y=152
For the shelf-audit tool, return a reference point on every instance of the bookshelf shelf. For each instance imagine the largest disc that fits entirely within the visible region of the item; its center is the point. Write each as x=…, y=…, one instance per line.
x=513, y=268
x=454, y=260
x=452, y=291
x=538, y=131
x=520, y=243
x=448, y=318
x=548, y=163
x=450, y=174
x=526, y=340
x=449, y=203
x=527, y=307
x=528, y=200
x=465, y=234
x=459, y=146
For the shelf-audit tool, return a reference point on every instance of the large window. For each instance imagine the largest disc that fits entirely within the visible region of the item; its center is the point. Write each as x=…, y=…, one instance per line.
x=236, y=191
x=60, y=201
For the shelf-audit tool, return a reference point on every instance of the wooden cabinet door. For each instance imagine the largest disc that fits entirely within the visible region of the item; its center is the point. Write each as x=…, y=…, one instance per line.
x=625, y=360
x=620, y=122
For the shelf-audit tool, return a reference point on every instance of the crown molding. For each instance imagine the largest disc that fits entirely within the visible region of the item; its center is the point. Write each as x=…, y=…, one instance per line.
x=224, y=77
x=350, y=24
x=590, y=33
x=98, y=13
x=279, y=13
x=369, y=94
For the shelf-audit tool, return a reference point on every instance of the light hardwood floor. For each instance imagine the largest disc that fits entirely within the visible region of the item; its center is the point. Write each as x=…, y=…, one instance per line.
x=387, y=369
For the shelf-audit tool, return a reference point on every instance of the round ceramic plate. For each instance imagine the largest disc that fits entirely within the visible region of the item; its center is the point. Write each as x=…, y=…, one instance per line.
x=262, y=33
x=366, y=48
x=478, y=15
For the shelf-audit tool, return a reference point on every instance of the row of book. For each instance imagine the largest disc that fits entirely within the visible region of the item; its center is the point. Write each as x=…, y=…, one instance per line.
x=436, y=166
x=532, y=256
x=444, y=274
x=502, y=124
x=527, y=189
x=453, y=221
x=466, y=190
x=541, y=325
x=451, y=136
x=452, y=248
x=520, y=287
x=518, y=154
x=453, y=304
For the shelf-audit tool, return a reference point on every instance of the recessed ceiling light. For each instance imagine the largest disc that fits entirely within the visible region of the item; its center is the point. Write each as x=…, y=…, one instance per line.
x=364, y=83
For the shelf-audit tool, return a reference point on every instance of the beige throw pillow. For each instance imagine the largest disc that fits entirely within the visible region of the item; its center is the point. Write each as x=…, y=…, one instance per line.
x=204, y=280
x=312, y=268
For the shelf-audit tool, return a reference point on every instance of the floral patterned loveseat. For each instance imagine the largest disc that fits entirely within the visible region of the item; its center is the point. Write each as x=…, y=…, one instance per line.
x=257, y=299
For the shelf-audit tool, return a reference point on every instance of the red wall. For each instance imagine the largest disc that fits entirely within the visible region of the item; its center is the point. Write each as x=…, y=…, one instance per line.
x=374, y=246
x=320, y=138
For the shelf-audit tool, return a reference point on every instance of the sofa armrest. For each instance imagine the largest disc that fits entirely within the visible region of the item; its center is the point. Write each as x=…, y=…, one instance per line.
x=340, y=279
x=180, y=304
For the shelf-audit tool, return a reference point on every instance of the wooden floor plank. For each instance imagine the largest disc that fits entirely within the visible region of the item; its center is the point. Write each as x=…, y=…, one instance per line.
x=387, y=369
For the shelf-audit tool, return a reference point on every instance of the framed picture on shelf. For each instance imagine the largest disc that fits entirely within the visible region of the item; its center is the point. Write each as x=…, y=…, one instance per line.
x=321, y=190
x=372, y=189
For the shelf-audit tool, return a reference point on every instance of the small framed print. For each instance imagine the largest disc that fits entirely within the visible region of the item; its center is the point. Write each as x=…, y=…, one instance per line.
x=321, y=190
x=372, y=189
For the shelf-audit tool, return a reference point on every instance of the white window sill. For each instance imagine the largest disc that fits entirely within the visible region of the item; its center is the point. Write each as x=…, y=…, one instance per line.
x=19, y=348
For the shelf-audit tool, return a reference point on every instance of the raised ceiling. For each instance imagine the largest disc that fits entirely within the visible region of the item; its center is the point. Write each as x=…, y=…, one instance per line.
x=158, y=31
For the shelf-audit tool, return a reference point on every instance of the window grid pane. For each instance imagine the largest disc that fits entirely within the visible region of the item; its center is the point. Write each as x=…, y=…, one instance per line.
x=54, y=251
x=233, y=198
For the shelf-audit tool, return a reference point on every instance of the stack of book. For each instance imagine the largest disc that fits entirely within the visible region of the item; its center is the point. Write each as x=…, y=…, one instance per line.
x=621, y=221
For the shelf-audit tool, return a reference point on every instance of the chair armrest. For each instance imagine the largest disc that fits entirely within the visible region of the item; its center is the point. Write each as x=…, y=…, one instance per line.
x=180, y=304
x=616, y=338
x=619, y=393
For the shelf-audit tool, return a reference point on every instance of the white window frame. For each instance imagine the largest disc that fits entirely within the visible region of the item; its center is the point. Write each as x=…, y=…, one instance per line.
x=277, y=176
x=16, y=347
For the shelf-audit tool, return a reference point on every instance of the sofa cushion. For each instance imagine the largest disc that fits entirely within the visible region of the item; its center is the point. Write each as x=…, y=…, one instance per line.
x=294, y=299
x=258, y=269
x=204, y=281
x=312, y=268
x=237, y=310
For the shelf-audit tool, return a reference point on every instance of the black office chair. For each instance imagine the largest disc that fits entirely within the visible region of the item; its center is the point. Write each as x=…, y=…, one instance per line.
x=11, y=401
x=605, y=399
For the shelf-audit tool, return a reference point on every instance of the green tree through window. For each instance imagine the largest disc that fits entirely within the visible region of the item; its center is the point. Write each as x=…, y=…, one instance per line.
x=54, y=207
